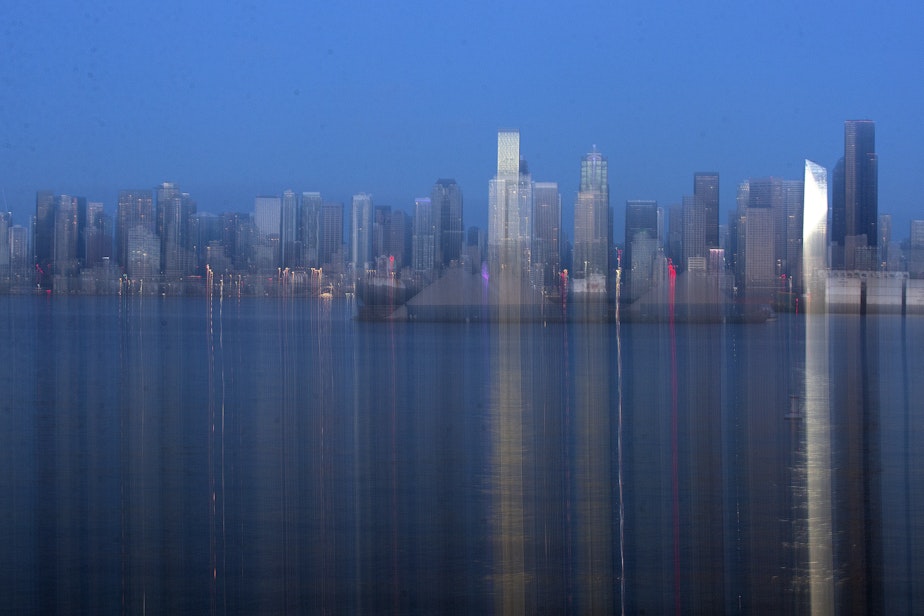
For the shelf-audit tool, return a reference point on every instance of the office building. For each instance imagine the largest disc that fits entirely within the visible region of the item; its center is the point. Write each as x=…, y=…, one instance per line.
x=546, y=237
x=174, y=209
x=855, y=200
x=641, y=250
x=425, y=236
x=307, y=236
x=361, y=233
x=814, y=232
x=446, y=200
x=330, y=236
x=508, y=209
x=593, y=219
x=706, y=190
x=289, y=246
x=135, y=208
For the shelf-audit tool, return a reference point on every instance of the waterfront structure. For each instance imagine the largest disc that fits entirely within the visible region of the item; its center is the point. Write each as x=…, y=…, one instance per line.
x=361, y=256
x=546, y=237
x=446, y=200
x=593, y=219
x=706, y=190
x=855, y=200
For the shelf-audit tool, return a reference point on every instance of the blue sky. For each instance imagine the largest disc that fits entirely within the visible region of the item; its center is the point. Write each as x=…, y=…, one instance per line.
x=235, y=99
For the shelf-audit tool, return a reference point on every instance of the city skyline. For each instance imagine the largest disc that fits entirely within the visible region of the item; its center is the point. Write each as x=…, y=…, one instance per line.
x=223, y=103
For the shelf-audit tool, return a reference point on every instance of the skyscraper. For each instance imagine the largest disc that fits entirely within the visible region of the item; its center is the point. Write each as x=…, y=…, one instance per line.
x=425, y=234
x=546, y=237
x=855, y=200
x=361, y=233
x=174, y=209
x=814, y=229
x=706, y=189
x=330, y=236
x=693, y=240
x=446, y=198
x=593, y=219
x=289, y=248
x=642, y=246
x=43, y=237
x=134, y=209
x=308, y=213
x=508, y=231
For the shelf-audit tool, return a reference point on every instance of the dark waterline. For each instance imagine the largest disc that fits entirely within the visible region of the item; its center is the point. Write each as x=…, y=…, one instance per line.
x=269, y=456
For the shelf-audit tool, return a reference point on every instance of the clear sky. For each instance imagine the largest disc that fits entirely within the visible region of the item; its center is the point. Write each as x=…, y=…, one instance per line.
x=235, y=99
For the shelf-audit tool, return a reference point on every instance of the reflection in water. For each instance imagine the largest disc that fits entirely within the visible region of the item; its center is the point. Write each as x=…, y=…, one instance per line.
x=271, y=456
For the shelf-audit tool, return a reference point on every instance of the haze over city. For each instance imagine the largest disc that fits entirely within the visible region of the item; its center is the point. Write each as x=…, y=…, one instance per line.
x=234, y=101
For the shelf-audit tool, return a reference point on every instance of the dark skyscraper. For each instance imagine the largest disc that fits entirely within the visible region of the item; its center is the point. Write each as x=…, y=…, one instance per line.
x=706, y=189
x=642, y=246
x=546, y=237
x=43, y=236
x=330, y=236
x=446, y=198
x=855, y=200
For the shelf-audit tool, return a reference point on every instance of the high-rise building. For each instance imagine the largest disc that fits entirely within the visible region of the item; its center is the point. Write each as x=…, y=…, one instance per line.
x=134, y=209
x=399, y=238
x=546, y=237
x=20, y=259
x=706, y=189
x=641, y=250
x=65, y=239
x=425, y=235
x=693, y=242
x=855, y=200
x=593, y=219
x=308, y=227
x=330, y=236
x=6, y=220
x=814, y=229
x=43, y=237
x=361, y=233
x=289, y=247
x=174, y=209
x=97, y=236
x=446, y=199
x=508, y=213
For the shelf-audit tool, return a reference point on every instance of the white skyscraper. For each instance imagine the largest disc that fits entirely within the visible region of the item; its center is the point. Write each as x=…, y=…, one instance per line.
x=507, y=237
x=814, y=228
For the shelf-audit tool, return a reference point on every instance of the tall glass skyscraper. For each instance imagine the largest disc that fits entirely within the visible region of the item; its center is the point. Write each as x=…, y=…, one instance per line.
x=593, y=218
x=446, y=199
x=706, y=189
x=509, y=205
x=546, y=237
x=855, y=199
